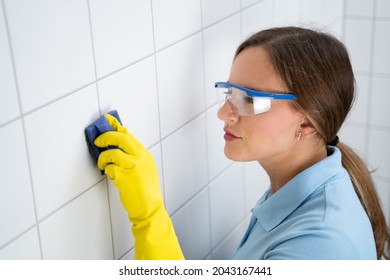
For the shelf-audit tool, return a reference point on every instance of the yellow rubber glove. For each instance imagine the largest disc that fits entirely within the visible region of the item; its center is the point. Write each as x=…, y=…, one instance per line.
x=134, y=173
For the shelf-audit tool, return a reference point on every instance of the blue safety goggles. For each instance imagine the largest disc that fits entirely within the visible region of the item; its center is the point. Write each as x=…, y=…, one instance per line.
x=247, y=102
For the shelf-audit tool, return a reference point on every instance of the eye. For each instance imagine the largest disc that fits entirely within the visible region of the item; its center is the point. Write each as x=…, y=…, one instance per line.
x=248, y=99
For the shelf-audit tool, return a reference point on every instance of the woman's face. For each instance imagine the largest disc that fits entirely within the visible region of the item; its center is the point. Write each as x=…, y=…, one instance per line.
x=267, y=137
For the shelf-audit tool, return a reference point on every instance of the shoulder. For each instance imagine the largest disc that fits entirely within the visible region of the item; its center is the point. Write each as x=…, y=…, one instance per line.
x=319, y=245
x=329, y=224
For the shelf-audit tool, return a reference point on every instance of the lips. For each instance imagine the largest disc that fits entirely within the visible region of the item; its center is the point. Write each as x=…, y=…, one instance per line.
x=229, y=136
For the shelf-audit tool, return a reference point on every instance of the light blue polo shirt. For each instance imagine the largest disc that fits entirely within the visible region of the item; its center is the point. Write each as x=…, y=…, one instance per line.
x=316, y=215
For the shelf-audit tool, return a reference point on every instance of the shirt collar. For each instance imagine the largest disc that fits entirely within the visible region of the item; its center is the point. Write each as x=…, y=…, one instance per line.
x=272, y=211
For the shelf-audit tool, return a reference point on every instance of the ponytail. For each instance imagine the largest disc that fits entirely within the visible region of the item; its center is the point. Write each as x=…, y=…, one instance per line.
x=365, y=189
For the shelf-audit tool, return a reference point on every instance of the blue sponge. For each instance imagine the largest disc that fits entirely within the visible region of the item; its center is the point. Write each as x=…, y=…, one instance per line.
x=100, y=126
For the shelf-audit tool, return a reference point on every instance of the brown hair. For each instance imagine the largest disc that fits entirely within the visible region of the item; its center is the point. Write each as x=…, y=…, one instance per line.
x=315, y=66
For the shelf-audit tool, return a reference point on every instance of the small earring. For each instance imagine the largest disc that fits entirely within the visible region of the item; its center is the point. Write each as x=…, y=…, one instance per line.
x=299, y=136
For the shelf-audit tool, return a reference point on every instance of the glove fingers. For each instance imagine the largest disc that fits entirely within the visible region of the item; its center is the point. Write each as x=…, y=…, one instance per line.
x=115, y=157
x=115, y=138
x=116, y=126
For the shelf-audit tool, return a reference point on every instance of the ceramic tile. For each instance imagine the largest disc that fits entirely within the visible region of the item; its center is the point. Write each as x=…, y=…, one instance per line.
x=383, y=189
x=321, y=12
x=215, y=10
x=382, y=8
x=246, y=3
x=173, y=24
x=17, y=212
x=359, y=8
x=358, y=42
x=121, y=227
x=122, y=33
x=180, y=84
x=219, y=51
x=185, y=163
x=129, y=255
x=226, y=249
x=381, y=56
x=227, y=202
x=380, y=100
x=26, y=247
x=287, y=12
x=217, y=160
x=192, y=227
x=358, y=113
x=133, y=92
x=80, y=230
x=9, y=106
x=60, y=163
x=52, y=48
x=256, y=183
x=355, y=137
x=378, y=152
x=258, y=17
x=336, y=28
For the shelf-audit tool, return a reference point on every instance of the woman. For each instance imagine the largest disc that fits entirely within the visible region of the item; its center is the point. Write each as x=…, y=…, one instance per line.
x=288, y=93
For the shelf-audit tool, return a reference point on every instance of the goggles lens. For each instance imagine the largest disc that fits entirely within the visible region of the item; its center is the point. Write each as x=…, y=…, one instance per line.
x=241, y=103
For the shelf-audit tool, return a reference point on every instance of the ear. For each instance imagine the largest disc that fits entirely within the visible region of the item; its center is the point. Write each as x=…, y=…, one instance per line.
x=307, y=129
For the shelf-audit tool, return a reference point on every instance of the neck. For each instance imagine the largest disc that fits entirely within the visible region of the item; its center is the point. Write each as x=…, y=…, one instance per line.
x=286, y=167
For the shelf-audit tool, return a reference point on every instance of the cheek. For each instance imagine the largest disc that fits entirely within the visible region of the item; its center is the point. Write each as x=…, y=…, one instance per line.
x=275, y=131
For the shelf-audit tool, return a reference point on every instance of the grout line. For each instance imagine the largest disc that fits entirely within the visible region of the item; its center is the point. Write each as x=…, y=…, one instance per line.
x=381, y=178
x=100, y=113
x=23, y=126
x=98, y=79
x=158, y=106
x=210, y=233
x=93, y=54
x=363, y=17
x=241, y=222
x=202, y=189
x=15, y=237
x=370, y=86
x=70, y=201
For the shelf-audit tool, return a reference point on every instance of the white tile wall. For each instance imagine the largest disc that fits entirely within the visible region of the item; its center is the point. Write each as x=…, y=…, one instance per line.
x=181, y=88
x=60, y=165
x=133, y=92
x=25, y=247
x=81, y=230
x=59, y=56
x=382, y=8
x=367, y=25
x=185, y=153
x=359, y=8
x=9, y=106
x=381, y=56
x=358, y=114
x=226, y=191
x=192, y=226
x=379, y=151
x=65, y=62
x=16, y=198
x=212, y=11
x=219, y=51
x=115, y=32
x=174, y=20
x=380, y=100
x=359, y=49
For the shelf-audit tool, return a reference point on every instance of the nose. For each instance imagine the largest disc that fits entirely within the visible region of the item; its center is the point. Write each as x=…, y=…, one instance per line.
x=226, y=112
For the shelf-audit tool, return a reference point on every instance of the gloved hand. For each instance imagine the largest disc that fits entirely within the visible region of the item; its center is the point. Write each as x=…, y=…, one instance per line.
x=134, y=173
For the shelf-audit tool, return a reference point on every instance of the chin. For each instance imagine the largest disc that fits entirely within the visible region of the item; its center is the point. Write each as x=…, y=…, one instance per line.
x=234, y=156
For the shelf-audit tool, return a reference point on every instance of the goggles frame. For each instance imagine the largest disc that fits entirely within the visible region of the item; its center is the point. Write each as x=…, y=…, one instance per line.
x=255, y=96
